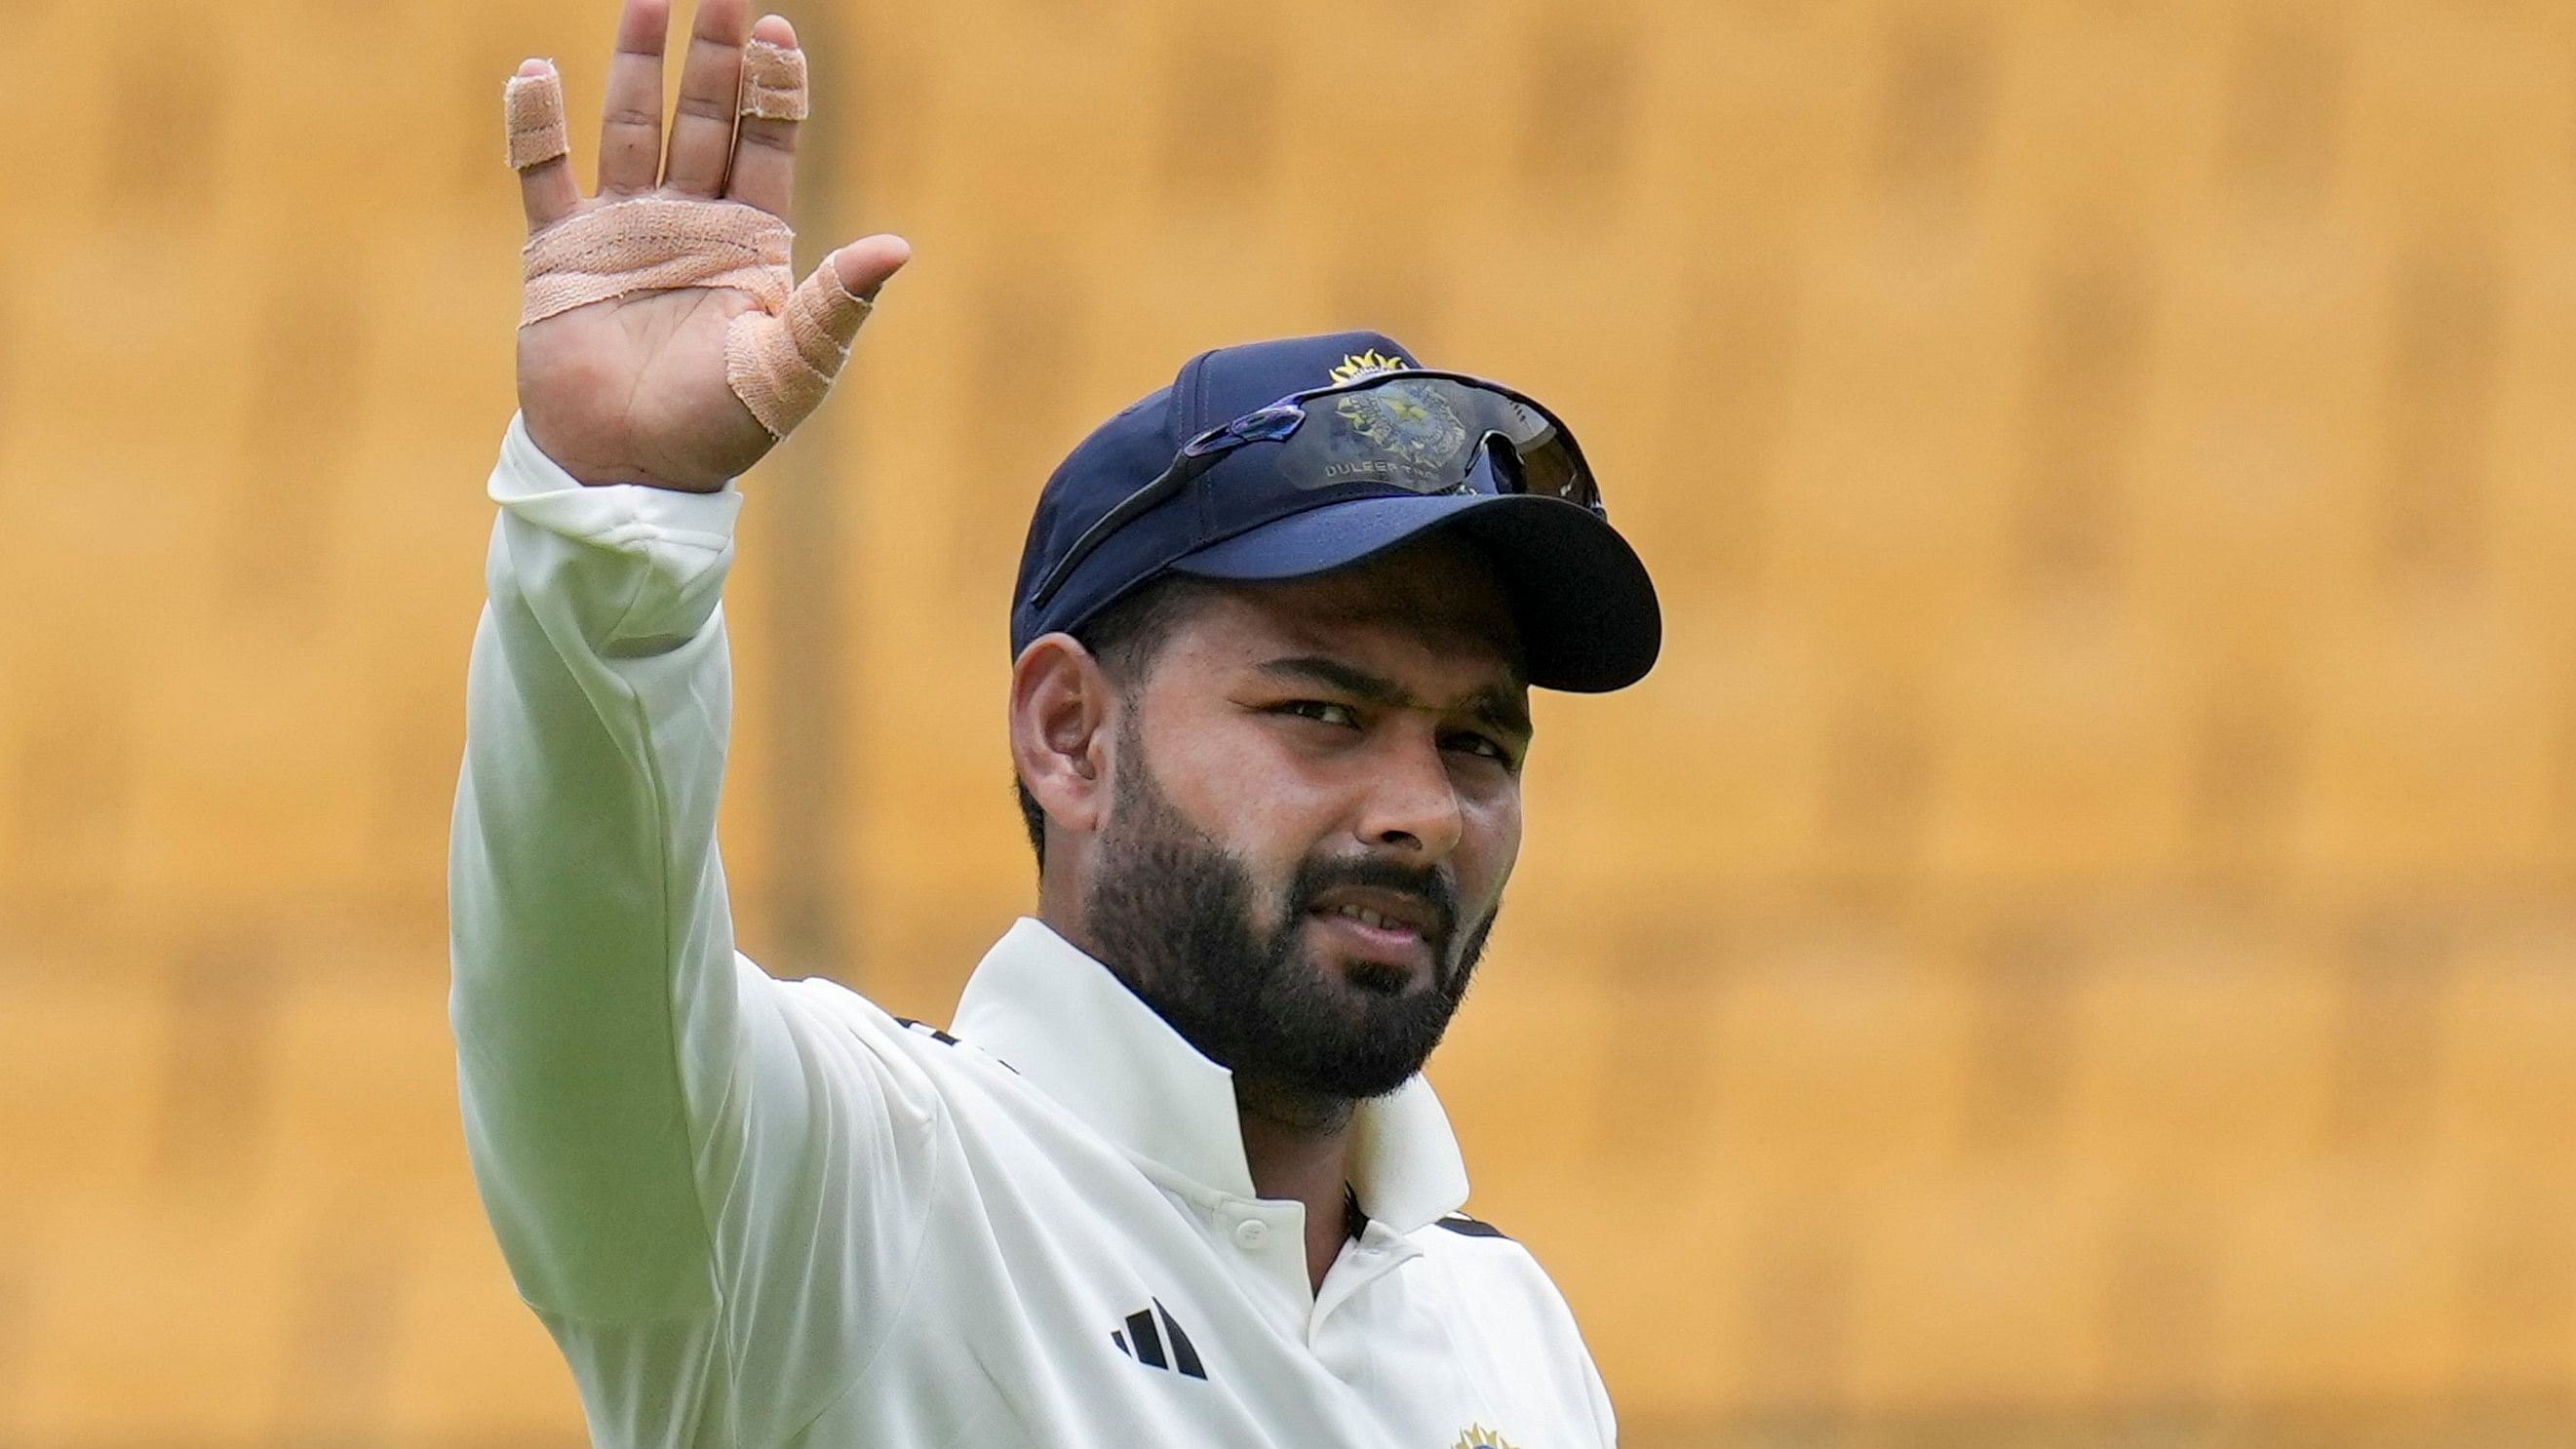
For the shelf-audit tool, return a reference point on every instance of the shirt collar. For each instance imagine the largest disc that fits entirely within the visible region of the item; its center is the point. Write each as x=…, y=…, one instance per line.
x=1075, y=1031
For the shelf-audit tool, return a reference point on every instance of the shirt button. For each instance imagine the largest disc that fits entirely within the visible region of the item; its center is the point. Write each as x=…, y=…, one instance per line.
x=1251, y=1233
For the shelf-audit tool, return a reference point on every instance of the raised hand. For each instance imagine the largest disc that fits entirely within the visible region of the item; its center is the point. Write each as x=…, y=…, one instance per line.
x=639, y=387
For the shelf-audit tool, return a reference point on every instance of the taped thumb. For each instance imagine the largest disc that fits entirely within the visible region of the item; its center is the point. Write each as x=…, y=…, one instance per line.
x=781, y=365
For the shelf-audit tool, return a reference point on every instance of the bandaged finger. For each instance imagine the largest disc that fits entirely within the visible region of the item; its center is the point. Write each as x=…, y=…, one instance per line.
x=533, y=108
x=781, y=365
x=773, y=82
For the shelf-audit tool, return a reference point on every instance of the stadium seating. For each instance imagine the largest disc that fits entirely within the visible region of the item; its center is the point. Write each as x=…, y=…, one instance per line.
x=2071, y=946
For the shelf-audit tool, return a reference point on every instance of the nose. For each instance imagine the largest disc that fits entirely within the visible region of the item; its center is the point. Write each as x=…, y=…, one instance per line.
x=1411, y=806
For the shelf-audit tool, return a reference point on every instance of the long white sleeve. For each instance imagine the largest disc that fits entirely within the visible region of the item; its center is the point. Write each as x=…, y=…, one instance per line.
x=659, y=1155
x=591, y=935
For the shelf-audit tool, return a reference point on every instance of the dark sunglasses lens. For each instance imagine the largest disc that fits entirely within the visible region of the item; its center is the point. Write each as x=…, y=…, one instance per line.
x=1550, y=471
x=1422, y=434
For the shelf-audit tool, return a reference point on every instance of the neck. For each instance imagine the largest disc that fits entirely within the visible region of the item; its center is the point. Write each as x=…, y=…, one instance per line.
x=1299, y=1150
x=1297, y=1145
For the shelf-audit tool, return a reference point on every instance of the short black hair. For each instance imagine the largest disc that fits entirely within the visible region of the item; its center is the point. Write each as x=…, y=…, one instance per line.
x=1125, y=638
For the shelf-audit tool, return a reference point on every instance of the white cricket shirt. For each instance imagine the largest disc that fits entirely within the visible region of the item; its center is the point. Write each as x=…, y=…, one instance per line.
x=758, y=1213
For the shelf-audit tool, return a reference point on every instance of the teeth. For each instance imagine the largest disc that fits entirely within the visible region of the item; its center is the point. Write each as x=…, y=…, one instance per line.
x=1364, y=916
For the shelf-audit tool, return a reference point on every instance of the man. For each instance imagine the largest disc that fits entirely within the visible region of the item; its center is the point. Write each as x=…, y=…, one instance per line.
x=1174, y=1178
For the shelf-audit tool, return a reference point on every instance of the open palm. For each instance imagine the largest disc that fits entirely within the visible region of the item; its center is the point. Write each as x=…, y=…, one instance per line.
x=633, y=389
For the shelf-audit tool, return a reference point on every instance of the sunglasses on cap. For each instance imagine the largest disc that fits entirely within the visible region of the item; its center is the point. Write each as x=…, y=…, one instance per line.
x=1411, y=430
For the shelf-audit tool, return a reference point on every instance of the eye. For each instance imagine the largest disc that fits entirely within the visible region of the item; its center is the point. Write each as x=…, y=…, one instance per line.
x=1482, y=745
x=1321, y=711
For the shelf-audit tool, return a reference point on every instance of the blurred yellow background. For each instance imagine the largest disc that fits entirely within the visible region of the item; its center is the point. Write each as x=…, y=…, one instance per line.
x=2072, y=946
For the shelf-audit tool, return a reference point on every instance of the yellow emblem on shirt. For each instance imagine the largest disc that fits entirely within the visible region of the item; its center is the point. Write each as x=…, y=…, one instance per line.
x=1477, y=1436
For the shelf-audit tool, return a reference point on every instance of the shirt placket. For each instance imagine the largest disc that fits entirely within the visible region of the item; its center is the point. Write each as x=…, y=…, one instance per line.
x=1266, y=1241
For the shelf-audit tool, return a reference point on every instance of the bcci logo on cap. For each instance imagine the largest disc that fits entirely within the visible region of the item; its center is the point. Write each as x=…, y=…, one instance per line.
x=1411, y=432
x=1361, y=364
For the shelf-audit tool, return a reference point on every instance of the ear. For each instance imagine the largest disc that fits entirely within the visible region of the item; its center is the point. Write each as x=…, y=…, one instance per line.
x=1061, y=712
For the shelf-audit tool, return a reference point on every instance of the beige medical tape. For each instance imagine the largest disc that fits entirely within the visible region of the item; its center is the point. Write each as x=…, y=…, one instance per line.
x=780, y=366
x=534, y=106
x=773, y=82
x=650, y=243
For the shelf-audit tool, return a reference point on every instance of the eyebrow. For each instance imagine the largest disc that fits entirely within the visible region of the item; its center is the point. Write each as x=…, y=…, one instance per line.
x=1493, y=706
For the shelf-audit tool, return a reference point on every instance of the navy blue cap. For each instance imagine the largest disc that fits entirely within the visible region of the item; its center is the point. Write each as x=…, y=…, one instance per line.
x=1585, y=607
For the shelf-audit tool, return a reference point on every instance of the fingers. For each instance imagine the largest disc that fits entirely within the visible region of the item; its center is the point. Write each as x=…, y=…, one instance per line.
x=630, y=120
x=533, y=102
x=710, y=87
x=773, y=100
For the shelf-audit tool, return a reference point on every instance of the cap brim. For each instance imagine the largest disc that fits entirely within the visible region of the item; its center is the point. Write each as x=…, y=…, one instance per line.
x=1586, y=609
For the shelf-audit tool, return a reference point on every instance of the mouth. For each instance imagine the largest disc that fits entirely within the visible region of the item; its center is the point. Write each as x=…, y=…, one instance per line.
x=1382, y=937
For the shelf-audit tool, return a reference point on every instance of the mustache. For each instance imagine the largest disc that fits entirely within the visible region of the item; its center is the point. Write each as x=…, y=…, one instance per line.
x=1428, y=884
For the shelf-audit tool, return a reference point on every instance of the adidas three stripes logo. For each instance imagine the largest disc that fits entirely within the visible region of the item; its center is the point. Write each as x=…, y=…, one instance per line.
x=1147, y=1333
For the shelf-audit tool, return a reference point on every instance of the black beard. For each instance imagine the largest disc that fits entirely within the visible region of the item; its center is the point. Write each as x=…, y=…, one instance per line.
x=1172, y=912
